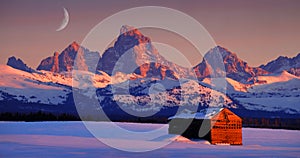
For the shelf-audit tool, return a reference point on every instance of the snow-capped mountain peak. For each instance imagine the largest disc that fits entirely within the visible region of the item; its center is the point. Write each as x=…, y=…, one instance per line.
x=154, y=82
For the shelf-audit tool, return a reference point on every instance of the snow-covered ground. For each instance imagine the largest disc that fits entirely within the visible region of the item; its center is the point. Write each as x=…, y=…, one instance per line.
x=277, y=96
x=61, y=139
x=32, y=87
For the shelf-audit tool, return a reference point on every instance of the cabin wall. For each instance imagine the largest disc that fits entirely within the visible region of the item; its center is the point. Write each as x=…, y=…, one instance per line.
x=190, y=128
x=229, y=132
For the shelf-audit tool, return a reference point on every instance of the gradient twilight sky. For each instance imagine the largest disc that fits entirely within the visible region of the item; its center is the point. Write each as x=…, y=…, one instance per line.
x=257, y=30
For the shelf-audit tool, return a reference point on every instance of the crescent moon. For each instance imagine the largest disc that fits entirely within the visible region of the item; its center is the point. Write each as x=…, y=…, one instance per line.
x=65, y=21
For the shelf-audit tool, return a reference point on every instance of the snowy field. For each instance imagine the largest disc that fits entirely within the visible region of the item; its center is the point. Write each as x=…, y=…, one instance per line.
x=73, y=139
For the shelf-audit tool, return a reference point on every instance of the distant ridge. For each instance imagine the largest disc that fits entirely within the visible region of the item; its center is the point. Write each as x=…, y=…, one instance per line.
x=18, y=64
x=291, y=65
x=143, y=59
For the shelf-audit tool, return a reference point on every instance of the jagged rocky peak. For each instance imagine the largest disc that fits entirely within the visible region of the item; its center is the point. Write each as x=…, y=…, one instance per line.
x=223, y=53
x=64, y=61
x=292, y=65
x=132, y=49
x=129, y=30
x=18, y=64
x=130, y=37
x=13, y=61
x=222, y=50
x=133, y=53
x=223, y=59
x=220, y=62
x=74, y=45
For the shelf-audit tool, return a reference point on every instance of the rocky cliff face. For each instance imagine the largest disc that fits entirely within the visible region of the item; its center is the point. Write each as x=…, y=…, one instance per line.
x=134, y=53
x=235, y=68
x=65, y=61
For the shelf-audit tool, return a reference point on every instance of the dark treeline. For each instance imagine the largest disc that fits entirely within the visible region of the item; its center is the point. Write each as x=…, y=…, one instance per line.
x=46, y=116
x=37, y=116
x=276, y=123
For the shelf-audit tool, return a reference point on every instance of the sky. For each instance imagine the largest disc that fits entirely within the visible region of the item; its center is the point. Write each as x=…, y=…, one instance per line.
x=257, y=31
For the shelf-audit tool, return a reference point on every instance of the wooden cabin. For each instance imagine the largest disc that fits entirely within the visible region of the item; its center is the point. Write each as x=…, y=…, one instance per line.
x=217, y=125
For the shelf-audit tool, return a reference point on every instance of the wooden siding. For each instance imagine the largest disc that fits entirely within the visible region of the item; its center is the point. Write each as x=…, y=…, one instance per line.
x=226, y=128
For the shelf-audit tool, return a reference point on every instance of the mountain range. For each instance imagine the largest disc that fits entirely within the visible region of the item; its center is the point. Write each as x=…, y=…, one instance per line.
x=292, y=65
x=133, y=76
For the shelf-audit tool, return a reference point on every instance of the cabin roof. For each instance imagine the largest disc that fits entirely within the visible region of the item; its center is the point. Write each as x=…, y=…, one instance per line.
x=207, y=113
